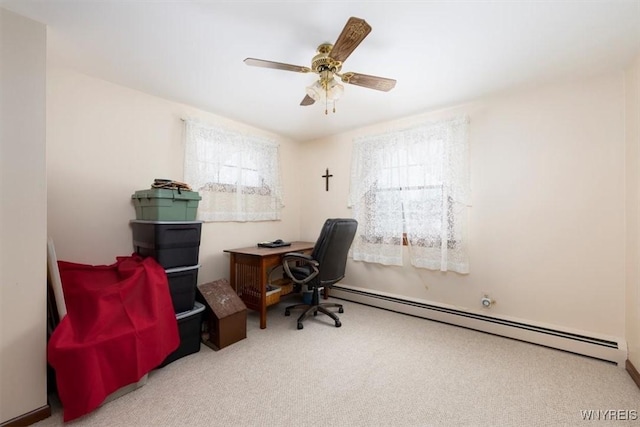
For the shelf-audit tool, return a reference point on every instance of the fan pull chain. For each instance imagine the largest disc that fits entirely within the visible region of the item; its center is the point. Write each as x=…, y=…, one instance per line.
x=326, y=109
x=326, y=98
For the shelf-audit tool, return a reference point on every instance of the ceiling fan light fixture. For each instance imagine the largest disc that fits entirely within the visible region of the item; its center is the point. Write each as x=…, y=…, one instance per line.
x=325, y=90
x=334, y=90
x=316, y=91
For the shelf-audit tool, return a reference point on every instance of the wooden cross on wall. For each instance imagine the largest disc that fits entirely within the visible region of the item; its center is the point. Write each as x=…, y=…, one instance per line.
x=327, y=176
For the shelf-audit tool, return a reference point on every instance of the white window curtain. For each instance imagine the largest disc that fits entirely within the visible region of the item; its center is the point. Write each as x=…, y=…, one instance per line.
x=237, y=175
x=412, y=185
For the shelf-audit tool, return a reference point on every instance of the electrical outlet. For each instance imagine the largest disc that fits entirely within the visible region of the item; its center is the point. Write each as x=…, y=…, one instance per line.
x=486, y=300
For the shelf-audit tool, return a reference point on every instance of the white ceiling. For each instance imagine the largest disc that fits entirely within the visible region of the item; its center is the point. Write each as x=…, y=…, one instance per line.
x=442, y=53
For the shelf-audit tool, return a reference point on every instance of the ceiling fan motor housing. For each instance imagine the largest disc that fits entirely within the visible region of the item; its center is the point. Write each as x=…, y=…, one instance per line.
x=322, y=62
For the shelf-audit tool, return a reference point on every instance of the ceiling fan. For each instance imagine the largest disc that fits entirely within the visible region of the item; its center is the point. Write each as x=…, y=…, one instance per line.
x=328, y=63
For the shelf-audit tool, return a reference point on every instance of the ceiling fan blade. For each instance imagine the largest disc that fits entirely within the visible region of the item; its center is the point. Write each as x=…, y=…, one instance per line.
x=371, y=82
x=352, y=34
x=307, y=100
x=276, y=65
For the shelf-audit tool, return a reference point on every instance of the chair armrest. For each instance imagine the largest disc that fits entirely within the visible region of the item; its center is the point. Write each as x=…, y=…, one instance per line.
x=303, y=258
x=298, y=256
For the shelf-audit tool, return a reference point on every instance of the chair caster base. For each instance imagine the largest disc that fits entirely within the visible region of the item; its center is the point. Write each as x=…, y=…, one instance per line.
x=311, y=309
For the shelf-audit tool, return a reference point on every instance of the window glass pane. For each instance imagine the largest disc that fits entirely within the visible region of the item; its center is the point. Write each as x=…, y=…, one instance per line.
x=415, y=176
x=228, y=175
x=423, y=210
x=235, y=173
x=385, y=178
x=385, y=218
x=250, y=178
x=394, y=178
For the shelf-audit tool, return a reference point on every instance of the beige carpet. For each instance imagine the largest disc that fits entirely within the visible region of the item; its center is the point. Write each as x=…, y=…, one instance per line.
x=379, y=369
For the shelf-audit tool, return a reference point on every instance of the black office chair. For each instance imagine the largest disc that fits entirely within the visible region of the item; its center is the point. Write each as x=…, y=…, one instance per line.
x=323, y=268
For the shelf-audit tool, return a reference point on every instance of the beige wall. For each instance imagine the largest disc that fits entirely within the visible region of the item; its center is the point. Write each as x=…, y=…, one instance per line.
x=23, y=280
x=105, y=142
x=547, y=225
x=632, y=116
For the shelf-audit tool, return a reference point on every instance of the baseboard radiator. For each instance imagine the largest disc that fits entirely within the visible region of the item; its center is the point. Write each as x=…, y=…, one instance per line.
x=607, y=348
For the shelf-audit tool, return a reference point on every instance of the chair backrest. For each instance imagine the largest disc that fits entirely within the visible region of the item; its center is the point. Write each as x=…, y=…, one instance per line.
x=331, y=249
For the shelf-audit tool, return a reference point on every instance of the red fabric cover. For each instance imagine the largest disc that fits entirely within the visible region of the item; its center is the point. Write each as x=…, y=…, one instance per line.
x=120, y=325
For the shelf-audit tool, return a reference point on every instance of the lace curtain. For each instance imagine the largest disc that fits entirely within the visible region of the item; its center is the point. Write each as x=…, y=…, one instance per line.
x=412, y=186
x=237, y=175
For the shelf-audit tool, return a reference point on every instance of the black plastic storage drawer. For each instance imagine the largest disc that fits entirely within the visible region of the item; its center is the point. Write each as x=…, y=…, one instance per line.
x=182, y=286
x=171, y=243
x=189, y=326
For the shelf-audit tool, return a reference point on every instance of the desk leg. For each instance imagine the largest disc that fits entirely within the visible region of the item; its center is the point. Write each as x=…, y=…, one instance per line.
x=232, y=272
x=245, y=274
x=263, y=294
x=263, y=317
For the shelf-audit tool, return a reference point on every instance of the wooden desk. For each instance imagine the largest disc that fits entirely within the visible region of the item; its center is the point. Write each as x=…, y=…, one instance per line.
x=249, y=269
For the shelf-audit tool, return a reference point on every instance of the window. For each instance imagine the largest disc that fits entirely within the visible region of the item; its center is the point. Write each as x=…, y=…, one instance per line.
x=237, y=175
x=411, y=187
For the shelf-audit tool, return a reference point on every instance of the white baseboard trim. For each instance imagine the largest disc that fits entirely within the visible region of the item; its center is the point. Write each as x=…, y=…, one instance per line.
x=611, y=349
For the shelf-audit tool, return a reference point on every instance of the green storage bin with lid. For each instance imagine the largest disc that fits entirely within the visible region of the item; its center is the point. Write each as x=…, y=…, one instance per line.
x=161, y=204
